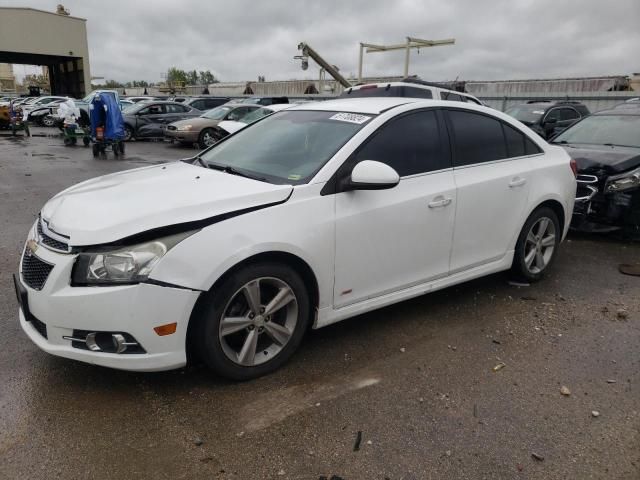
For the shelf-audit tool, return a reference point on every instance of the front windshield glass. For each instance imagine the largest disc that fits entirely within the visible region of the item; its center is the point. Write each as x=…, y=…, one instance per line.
x=526, y=113
x=287, y=147
x=621, y=130
x=133, y=108
x=217, y=113
x=255, y=115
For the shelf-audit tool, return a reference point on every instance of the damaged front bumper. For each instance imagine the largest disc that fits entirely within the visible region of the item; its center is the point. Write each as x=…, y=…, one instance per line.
x=599, y=211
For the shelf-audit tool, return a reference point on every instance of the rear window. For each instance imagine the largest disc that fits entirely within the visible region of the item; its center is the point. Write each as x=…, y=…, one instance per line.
x=391, y=91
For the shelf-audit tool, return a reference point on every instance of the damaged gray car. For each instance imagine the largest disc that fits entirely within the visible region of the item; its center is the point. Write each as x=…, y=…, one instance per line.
x=606, y=148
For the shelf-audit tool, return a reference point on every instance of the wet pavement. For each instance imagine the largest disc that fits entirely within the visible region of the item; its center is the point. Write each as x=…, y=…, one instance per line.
x=406, y=392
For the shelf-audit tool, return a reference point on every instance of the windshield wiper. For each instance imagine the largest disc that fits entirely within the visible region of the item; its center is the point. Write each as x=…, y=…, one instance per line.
x=616, y=145
x=232, y=171
x=201, y=161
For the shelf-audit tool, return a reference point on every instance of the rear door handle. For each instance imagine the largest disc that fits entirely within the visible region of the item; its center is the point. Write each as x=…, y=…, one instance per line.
x=440, y=202
x=517, y=182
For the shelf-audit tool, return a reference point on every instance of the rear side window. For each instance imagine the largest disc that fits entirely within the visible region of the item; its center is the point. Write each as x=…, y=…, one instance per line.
x=515, y=141
x=453, y=97
x=199, y=104
x=476, y=138
x=409, y=144
x=568, y=114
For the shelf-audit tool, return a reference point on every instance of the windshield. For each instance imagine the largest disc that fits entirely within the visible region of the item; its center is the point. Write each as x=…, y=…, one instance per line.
x=621, y=130
x=526, y=113
x=255, y=115
x=133, y=108
x=288, y=147
x=217, y=113
x=251, y=100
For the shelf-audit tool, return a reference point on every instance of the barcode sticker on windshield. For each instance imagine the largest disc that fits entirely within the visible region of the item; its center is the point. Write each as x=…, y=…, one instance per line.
x=350, y=117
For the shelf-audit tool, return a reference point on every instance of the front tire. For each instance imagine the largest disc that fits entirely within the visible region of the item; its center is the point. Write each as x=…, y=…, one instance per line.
x=537, y=245
x=253, y=322
x=207, y=138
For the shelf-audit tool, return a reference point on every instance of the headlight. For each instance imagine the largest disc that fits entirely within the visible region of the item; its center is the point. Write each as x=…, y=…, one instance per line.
x=184, y=128
x=125, y=265
x=624, y=181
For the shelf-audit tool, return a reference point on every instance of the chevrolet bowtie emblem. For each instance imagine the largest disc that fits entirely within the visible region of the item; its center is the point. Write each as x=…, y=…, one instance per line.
x=32, y=246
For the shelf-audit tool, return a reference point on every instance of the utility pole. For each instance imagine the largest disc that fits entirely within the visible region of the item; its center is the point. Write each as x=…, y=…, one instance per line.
x=411, y=42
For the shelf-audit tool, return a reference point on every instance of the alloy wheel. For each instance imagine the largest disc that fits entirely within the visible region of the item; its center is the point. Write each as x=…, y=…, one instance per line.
x=208, y=139
x=539, y=245
x=258, y=321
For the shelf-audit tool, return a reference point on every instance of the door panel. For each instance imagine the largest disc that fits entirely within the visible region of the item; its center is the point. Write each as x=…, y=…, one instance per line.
x=387, y=240
x=492, y=199
x=492, y=181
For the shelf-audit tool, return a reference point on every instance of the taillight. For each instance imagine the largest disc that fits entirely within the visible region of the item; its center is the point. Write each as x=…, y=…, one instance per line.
x=574, y=167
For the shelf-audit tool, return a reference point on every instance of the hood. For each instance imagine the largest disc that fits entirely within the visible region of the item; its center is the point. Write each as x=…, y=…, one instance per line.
x=198, y=123
x=109, y=208
x=601, y=157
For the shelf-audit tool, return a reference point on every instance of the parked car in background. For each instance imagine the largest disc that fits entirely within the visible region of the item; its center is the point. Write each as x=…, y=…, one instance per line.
x=312, y=215
x=409, y=87
x=150, y=119
x=43, y=115
x=548, y=118
x=201, y=130
x=205, y=103
x=38, y=102
x=228, y=127
x=606, y=147
x=263, y=100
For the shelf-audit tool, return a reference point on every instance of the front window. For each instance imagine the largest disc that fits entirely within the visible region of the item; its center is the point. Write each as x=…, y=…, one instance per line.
x=525, y=113
x=287, y=147
x=216, y=113
x=618, y=130
x=255, y=115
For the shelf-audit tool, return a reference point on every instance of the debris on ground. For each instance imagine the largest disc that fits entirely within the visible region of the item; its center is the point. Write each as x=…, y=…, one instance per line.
x=537, y=456
x=595, y=413
x=611, y=380
x=448, y=453
x=197, y=441
x=528, y=299
x=499, y=366
x=369, y=442
x=565, y=391
x=281, y=472
x=622, y=314
x=513, y=283
x=356, y=446
x=497, y=342
x=403, y=349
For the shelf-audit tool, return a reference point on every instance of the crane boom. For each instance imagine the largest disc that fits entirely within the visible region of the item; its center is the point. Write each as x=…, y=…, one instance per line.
x=310, y=52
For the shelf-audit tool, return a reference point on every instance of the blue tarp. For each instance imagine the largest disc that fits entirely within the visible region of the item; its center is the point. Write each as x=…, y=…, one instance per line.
x=105, y=111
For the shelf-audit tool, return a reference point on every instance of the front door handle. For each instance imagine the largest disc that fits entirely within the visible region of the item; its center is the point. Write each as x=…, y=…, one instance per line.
x=517, y=182
x=439, y=202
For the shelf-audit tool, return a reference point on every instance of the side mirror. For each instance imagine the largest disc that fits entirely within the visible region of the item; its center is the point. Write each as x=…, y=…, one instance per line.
x=372, y=175
x=550, y=121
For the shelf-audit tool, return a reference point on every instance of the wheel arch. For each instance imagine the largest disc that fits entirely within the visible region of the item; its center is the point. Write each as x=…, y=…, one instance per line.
x=298, y=264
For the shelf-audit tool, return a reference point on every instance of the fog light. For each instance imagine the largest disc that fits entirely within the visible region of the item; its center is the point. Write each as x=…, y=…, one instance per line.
x=167, y=329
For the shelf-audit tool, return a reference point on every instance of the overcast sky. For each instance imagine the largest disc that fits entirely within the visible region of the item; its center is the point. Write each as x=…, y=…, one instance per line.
x=240, y=39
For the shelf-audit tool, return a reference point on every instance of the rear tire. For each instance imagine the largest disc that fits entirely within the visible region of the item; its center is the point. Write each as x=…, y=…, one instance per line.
x=261, y=335
x=537, y=245
x=128, y=133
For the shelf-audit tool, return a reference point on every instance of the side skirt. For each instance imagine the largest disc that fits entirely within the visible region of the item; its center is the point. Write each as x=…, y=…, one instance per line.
x=328, y=315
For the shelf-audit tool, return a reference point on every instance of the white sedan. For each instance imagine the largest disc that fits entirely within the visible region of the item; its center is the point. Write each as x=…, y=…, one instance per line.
x=305, y=218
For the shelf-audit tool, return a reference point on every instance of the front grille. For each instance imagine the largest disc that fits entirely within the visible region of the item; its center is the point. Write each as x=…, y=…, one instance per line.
x=34, y=271
x=39, y=326
x=51, y=242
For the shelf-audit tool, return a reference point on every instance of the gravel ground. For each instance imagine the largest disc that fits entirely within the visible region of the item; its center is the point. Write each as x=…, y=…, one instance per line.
x=406, y=392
